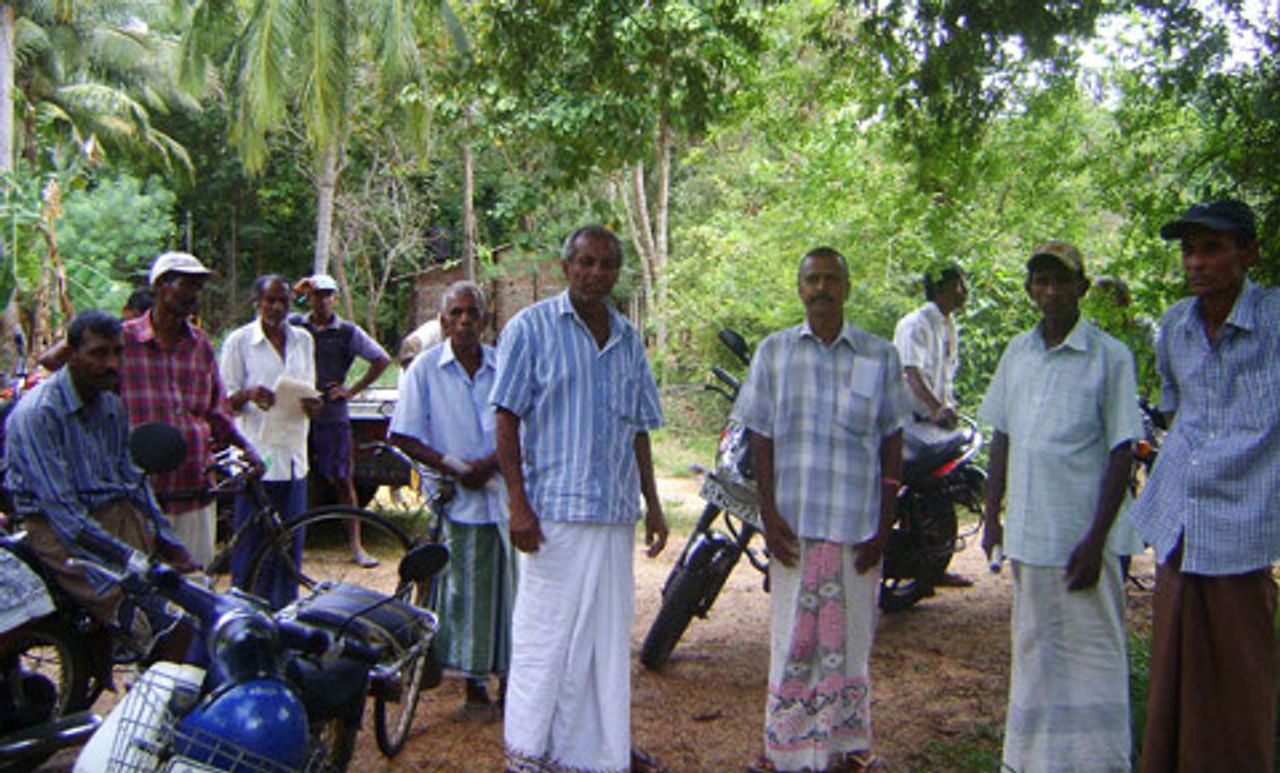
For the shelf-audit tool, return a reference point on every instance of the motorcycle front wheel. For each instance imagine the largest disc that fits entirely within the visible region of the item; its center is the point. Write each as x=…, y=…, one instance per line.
x=918, y=554
x=45, y=676
x=679, y=604
x=337, y=737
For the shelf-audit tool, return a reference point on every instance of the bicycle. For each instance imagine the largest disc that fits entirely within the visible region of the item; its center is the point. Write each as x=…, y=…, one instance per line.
x=404, y=673
x=420, y=670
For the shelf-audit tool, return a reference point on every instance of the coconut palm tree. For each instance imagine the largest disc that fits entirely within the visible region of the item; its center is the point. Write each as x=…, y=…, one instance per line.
x=300, y=60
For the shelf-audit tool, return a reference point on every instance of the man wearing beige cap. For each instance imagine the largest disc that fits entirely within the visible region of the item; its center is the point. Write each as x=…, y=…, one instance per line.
x=169, y=373
x=1064, y=411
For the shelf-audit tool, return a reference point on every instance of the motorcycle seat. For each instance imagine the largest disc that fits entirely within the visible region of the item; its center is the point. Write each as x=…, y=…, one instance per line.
x=925, y=447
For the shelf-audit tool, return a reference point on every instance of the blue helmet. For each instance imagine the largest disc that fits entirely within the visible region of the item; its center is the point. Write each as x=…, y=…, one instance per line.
x=262, y=718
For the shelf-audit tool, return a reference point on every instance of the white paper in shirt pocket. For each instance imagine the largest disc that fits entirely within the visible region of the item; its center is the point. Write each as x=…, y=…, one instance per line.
x=864, y=379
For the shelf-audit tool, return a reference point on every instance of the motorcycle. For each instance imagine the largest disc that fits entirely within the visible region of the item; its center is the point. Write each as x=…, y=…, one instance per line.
x=278, y=691
x=938, y=474
x=55, y=660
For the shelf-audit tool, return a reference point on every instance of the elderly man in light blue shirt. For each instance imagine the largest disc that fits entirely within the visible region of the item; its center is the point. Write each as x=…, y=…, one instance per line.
x=825, y=403
x=1210, y=506
x=576, y=402
x=1064, y=407
x=443, y=418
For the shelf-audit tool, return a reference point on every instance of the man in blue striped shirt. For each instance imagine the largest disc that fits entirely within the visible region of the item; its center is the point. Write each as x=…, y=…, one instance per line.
x=1210, y=506
x=66, y=453
x=576, y=402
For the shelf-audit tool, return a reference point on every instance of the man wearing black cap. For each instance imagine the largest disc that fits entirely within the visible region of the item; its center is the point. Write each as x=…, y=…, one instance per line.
x=1063, y=405
x=1209, y=506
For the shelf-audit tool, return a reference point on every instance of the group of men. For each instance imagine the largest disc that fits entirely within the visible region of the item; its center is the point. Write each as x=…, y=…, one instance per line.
x=1063, y=407
x=66, y=455
x=548, y=437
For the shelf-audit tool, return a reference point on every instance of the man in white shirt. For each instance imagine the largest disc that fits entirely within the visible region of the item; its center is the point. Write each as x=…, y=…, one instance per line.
x=929, y=345
x=255, y=357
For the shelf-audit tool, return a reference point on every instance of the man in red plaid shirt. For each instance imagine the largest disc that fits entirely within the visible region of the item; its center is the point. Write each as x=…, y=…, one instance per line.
x=169, y=373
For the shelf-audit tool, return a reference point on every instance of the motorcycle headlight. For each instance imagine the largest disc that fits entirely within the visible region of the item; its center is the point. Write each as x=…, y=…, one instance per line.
x=244, y=646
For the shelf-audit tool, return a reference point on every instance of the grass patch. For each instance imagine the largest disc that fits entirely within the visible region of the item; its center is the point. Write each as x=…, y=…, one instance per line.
x=977, y=749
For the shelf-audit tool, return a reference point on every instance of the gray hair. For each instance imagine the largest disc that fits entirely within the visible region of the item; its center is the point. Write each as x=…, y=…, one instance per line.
x=595, y=231
x=463, y=285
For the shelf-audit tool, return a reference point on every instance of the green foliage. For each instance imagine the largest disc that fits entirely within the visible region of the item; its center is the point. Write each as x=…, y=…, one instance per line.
x=977, y=750
x=595, y=80
x=1139, y=686
x=108, y=234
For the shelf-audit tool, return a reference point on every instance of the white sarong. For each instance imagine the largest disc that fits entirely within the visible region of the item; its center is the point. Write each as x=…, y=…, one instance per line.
x=1069, y=688
x=568, y=702
x=822, y=623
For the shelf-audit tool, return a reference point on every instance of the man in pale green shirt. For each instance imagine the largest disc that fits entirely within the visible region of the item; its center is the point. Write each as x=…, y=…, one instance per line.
x=1063, y=405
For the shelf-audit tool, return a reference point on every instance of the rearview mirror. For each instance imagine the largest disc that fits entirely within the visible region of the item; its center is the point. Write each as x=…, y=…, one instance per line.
x=157, y=447
x=730, y=338
x=423, y=561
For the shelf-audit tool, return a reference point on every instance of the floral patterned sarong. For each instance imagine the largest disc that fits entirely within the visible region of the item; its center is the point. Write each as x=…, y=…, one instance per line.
x=823, y=619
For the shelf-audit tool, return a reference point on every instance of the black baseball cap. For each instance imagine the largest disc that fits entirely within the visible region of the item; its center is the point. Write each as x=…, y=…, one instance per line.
x=1227, y=215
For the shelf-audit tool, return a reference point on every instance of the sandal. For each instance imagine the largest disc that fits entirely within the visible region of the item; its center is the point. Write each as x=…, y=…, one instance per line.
x=643, y=762
x=856, y=762
x=761, y=765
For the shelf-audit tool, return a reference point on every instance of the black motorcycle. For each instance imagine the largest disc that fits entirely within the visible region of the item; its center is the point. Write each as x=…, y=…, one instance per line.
x=939, y=473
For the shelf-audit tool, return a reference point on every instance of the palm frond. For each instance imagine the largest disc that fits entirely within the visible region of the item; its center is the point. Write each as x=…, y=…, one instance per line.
x=325, y=71
x=262, y=75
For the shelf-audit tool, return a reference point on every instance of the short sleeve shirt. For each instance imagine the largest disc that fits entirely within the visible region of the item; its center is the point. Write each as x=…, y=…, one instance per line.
x=1064, y=410
x=580, y=406
x=181, y=386
x=827, y=408
x=926, y=339
x=249, y=359
x=447, y=410
x=1216, y=483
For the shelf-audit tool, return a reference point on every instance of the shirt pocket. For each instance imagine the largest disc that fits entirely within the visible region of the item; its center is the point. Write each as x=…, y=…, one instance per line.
x=624, y=399
x=1259, y=389
x=855, y=413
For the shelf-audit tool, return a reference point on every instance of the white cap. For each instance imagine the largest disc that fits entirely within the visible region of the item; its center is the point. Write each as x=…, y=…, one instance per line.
x=176, y=262
x=320, y=282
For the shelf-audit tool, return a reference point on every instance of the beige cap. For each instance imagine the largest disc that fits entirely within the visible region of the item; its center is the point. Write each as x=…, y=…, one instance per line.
x=1066, y=254
x=176, y=262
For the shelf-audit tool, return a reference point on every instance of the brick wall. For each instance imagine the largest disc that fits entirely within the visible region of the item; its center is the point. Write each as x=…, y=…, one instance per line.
x=519, y=286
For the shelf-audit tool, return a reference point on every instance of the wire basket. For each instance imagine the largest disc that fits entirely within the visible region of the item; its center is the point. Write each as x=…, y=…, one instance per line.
x=149, y=737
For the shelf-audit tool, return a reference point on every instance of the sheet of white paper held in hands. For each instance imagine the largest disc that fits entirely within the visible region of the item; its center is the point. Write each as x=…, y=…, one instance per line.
x=281, y=424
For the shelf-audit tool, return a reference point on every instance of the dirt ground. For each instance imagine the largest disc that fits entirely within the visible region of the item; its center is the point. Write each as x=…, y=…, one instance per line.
x=939, y=674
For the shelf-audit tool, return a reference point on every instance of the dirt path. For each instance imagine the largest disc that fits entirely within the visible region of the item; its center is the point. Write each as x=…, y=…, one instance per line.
x=939, y=674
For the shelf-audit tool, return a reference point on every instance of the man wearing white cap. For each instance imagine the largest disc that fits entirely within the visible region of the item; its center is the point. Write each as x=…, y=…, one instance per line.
x=170, y=373
x=337, y=344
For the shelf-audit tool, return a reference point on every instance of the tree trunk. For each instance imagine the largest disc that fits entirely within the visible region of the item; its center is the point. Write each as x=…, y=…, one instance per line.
x=326, y=187
x=12, y=326
x=6, y=87
x=660, y=236
x=468, y=199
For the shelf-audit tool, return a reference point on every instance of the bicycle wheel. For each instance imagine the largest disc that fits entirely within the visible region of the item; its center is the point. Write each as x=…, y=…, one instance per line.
x=393, y=711
x=327, y=550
